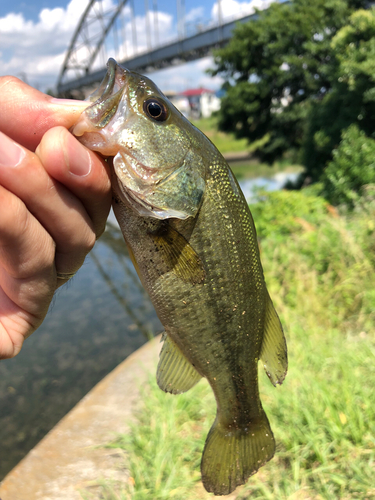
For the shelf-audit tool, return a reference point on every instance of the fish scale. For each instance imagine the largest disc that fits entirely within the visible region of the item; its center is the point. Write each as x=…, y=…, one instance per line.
x=192, y=239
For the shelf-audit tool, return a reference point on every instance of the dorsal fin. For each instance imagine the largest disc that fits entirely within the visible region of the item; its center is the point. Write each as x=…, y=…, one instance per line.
x=274, y=352
x=175, y=374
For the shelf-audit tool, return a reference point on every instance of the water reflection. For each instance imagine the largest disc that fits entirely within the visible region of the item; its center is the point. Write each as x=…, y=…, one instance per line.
x=274, y=183
x=95, y=322
x=143, y=309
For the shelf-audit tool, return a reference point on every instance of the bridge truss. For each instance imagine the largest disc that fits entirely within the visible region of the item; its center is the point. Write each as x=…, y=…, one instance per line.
x=110, y=28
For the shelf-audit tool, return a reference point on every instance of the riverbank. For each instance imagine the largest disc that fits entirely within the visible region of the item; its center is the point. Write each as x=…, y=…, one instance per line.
x=71, y=459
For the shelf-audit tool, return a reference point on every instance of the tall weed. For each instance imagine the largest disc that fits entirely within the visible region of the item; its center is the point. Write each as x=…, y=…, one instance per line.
x=319, y=266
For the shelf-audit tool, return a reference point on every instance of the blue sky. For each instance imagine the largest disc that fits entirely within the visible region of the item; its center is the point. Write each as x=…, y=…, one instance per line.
x=31, y=10
x=34, y=37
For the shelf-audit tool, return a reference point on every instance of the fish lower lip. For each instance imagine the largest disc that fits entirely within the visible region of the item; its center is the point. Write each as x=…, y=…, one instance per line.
x=108, y=96
x=106, y=87
x=111, y=72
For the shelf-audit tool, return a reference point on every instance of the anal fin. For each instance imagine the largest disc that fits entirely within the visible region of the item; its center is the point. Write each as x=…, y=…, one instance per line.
x=274, y=351
x=175, y=374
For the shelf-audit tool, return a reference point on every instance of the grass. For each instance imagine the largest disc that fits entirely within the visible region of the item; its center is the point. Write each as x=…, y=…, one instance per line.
x=319, y=265
x=225, y=143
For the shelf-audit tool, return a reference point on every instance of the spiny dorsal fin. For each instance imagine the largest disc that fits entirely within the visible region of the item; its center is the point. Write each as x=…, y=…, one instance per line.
x=178, y=255
x=274, y=352
x=175, y=374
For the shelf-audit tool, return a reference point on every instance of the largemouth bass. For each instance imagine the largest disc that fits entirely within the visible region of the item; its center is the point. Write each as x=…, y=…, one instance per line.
x=192, y=239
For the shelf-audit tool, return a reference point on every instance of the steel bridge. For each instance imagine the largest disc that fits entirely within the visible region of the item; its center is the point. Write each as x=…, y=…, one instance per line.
x=143, y=40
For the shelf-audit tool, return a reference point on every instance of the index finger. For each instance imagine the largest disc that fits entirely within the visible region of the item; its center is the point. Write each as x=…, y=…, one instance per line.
x=26, y=113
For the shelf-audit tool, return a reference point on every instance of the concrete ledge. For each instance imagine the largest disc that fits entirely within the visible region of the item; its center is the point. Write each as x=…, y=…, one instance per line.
x=70, y=458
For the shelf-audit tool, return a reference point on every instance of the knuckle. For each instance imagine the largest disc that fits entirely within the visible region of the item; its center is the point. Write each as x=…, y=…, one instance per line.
x=82, y=243
x=25, y=247
x=90, y=242
x=87, y=240
x=13, y=212
x=100, y=231
x=71, y=255
x=10, y=80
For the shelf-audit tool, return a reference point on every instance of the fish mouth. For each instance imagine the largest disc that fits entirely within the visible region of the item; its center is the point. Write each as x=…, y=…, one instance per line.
x=108, y=95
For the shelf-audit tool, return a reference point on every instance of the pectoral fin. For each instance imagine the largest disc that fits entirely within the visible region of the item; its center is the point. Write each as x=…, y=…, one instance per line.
x=274, y=352
x=133, y=259
x=175, y=374
x=178, y=255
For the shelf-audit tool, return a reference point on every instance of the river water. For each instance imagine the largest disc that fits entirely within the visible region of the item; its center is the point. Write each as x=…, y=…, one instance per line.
x=100, y=317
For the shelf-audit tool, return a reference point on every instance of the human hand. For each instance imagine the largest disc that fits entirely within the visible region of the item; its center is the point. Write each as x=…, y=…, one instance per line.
x=55, y=197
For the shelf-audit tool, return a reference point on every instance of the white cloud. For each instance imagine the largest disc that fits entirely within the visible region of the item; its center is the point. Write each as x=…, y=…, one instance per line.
x=232, y=9
x=194, y=15
x=14, y=23
x=36, y=49
x=191, y=75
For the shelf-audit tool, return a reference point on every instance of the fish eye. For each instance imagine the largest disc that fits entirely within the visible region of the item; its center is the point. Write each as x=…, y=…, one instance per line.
x=155, y=109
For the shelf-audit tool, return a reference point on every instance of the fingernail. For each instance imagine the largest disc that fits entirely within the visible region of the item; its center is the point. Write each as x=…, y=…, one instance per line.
x=78, y=159
x=11, y=153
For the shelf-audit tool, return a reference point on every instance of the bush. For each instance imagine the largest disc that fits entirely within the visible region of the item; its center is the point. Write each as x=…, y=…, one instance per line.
x=352, y=168
x=318, y=263
x=285, y=212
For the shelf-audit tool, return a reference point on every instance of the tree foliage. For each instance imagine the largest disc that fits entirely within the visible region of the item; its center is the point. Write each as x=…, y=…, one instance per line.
x=351, y=99
x=297, y=76
x=352, y=168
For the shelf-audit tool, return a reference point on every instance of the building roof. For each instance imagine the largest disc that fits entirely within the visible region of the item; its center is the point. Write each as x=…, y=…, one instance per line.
x=200, y=91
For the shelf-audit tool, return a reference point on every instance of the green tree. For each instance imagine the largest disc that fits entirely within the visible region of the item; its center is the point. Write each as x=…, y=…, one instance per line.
x=351, y=99
x=276, y=68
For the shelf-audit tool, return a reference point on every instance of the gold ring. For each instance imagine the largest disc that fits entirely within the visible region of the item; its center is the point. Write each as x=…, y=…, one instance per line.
x=65, y=276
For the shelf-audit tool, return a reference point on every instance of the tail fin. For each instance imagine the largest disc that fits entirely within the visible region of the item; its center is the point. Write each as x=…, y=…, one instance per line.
x=231, y=456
